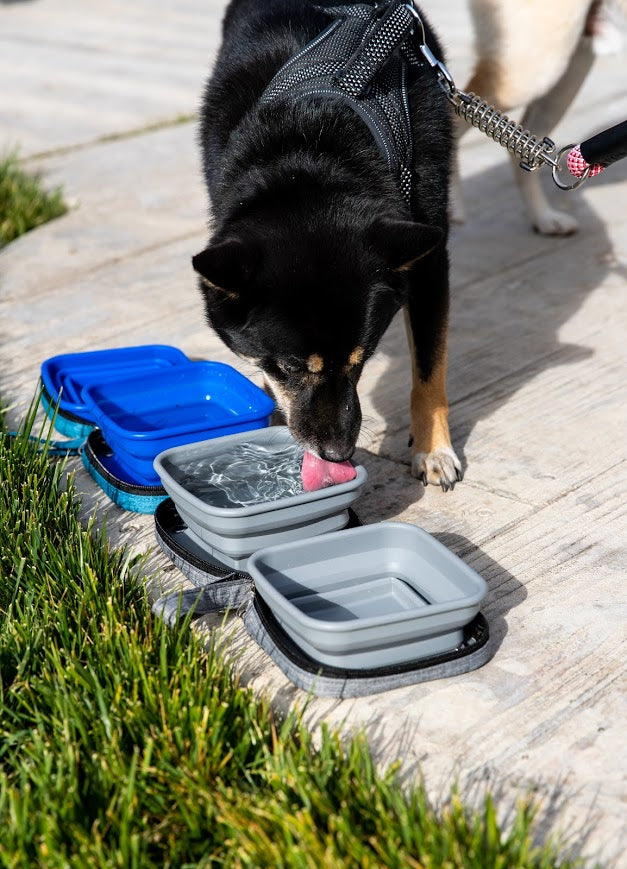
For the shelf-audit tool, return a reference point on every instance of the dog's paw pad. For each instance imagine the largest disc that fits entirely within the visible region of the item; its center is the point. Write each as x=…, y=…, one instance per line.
x=553, y=222
x=440, y=468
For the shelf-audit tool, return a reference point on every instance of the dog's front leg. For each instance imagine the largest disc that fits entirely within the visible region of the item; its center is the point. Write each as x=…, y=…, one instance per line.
x=433, y=459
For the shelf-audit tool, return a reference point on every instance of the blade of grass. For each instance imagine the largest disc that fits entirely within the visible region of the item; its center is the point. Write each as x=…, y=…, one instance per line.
x=24, y=204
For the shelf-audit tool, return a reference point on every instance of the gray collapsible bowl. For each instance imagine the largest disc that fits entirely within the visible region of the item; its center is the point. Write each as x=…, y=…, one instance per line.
x=369, y=597
x=232, y=534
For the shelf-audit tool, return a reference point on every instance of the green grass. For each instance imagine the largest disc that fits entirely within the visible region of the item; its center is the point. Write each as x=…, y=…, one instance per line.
x=123, y=743
x=24, y=204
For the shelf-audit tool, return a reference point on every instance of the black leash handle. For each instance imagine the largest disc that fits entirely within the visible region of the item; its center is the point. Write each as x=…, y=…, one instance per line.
x=592, y=156
x=606, y=147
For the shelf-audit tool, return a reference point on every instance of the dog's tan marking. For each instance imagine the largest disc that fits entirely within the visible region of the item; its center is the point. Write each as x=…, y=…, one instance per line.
x=268, y=387
x=432, y=453
x=280, y=395
x=356, y=357
x=230, y=294
x=315, y=363
x=251, y=359
x=278, y=416
x=407, y=266
x=429, y=412
x=429, y=405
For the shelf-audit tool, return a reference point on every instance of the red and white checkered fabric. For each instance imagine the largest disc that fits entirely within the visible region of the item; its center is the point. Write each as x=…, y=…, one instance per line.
x=577, y=165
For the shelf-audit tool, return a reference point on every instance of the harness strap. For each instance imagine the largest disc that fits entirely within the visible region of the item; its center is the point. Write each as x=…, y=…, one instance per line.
x=377, y=40
x=393, y=28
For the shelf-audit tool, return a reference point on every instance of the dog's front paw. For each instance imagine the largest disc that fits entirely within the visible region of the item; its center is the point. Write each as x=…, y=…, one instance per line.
x=440, y=468
x=553, y=222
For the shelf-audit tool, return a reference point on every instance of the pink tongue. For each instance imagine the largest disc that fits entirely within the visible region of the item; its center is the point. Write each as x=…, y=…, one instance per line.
x=317, y=473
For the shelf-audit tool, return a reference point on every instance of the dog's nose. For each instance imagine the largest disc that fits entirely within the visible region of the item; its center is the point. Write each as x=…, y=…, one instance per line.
x=335, y=454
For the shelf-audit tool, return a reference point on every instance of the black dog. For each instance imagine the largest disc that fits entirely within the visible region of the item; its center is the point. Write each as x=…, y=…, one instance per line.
x=314, y=248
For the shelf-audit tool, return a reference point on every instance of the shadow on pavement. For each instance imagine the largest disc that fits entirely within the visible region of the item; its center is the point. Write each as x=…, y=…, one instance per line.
x=511, y=293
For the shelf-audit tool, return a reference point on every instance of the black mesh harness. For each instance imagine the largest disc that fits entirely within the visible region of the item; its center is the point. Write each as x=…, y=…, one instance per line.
x=362, y=58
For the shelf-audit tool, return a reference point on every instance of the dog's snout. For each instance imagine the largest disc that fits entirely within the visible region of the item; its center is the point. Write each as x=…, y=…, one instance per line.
x=336, y=454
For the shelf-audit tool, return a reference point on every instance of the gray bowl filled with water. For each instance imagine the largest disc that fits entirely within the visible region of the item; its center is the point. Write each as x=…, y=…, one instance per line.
x=369, y=597
x=243, y=492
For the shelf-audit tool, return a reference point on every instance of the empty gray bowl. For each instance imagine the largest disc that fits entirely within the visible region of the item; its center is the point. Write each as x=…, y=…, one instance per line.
x=233, y=533
x=369, y=597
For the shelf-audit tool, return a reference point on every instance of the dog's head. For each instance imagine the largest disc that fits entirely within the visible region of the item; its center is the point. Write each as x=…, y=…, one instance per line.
x=308, y=304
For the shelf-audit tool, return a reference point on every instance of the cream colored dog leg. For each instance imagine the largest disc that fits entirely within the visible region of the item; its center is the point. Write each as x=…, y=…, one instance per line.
x=541, y=117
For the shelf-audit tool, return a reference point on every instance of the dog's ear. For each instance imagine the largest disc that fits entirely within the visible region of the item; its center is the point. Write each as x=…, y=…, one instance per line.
x=226, y=266
x=402, y=242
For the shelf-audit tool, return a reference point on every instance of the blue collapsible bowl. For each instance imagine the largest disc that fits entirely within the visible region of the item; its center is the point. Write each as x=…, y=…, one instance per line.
x=144, y=416
x=65, y=376
x=103, y=466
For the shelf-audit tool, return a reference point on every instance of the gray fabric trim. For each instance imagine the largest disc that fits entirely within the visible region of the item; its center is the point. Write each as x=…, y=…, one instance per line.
x=200, y=578
x=341, y=688
x=217, y=597
x=212, y=593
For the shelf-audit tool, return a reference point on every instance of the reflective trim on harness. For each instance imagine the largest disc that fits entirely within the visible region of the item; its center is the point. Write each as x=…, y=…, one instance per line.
x=362, y=58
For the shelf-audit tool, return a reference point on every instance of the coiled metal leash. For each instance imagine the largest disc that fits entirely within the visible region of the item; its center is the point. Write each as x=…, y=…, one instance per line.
x=533, y=152
x=583, y=161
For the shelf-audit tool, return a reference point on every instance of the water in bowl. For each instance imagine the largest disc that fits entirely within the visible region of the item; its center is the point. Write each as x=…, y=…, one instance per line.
x=247, y=474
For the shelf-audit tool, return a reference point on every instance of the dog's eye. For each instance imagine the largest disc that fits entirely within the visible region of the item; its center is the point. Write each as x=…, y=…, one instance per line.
x=288, y=366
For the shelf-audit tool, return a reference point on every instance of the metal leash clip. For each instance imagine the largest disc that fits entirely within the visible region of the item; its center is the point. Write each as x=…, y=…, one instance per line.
x=444, y=77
